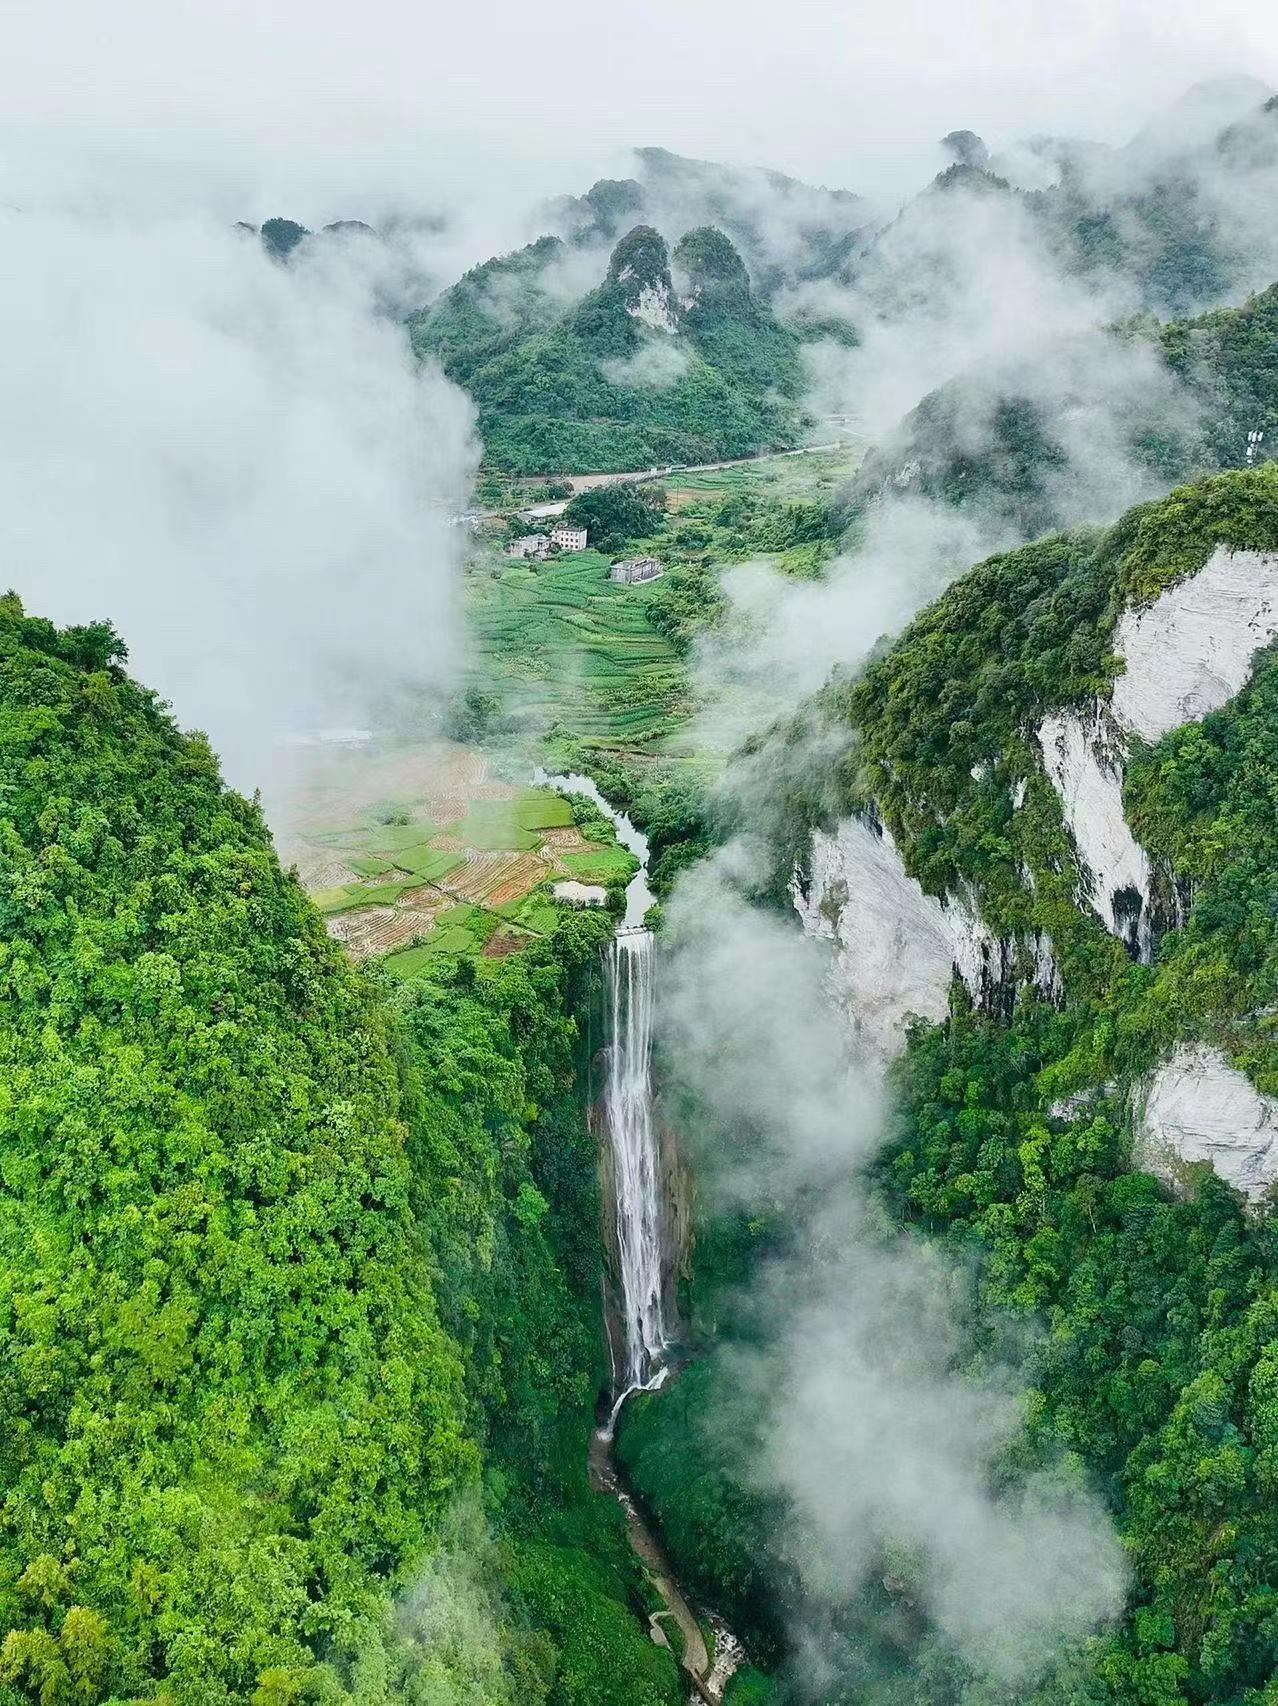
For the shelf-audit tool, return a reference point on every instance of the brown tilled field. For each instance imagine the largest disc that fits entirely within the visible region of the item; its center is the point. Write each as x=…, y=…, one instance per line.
x=491, y=879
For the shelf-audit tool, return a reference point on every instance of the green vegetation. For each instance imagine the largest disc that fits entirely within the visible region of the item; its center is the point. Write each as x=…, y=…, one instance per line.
x=613, y=515
x=627, y=378
x=1015, y=471
x=572, y=653
x=1154, y=1365
x=607, y=865
x=301, y=1278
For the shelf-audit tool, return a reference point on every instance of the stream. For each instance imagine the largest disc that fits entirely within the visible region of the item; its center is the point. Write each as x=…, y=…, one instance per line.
x=630, y=961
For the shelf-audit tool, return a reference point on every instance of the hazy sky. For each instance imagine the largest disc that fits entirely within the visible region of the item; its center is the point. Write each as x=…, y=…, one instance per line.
x=318, y=107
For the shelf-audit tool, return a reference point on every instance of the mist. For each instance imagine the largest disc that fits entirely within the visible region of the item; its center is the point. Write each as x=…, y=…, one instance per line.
x=887, y=1436
x=239, y=466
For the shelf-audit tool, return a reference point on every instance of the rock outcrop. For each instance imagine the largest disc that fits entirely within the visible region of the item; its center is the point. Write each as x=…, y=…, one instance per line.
x=1197, y=1107
x=1083, y=758
x=1185, y=655
x=1190, y=651
x=897, y=949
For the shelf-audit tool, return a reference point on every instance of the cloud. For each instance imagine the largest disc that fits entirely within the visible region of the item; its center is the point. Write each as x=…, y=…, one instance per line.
x=237, y=464
x=884, y=1437
x=656, y=365
x=782, y=637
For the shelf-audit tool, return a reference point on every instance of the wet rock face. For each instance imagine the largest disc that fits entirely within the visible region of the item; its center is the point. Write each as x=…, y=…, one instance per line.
x=897, y=948
x=1186, y=655
x=1197, y=1107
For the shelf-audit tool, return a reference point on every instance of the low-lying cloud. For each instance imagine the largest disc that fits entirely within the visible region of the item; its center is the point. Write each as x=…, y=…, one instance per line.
x=236, y=463
x=873, y=1422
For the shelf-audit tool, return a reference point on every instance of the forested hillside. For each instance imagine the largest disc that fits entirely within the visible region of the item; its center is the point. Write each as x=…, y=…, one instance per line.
x=639, y=372
x=1150, y=1310
x=1203, y=396
x=300, y=1329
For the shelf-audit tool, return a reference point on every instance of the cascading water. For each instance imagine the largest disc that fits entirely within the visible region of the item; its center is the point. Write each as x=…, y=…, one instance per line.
x=628, y=1107
x=628, y=1111
x=640, y=1225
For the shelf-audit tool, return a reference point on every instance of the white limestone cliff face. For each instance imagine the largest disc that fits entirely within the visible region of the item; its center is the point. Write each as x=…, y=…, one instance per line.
x=1186, y=654
x=1191, y=650
x=1197, y=1107
x=1084, y=764
x=652, y=305
x=897, y=948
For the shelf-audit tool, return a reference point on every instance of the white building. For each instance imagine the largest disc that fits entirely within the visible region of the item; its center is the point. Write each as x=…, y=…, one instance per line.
x=529, y=545
x=568, y=538
x=634, y=570
x=581, y=894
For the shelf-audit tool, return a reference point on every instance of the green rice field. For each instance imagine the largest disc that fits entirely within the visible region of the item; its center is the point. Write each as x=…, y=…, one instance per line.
x=569, y=651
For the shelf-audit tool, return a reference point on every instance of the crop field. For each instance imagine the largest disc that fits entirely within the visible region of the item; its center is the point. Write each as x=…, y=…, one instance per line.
x=417, y=852
x=567, y=649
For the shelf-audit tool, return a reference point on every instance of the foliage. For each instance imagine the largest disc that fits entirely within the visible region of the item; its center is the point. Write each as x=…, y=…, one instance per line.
x=281, y=236
x=614, y=514
x=553, y=389
x=206, y=1229
x=1151, y=1319
x=1014, y=471
x=288, y=1258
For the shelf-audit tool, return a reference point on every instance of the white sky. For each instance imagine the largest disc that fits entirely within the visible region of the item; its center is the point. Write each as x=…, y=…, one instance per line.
x=319, y=108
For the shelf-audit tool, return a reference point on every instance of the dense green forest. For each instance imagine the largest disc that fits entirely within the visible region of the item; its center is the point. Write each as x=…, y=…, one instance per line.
x=301, y=1338
x=300, y=1315
x=1153, y=1315
x=636, y=374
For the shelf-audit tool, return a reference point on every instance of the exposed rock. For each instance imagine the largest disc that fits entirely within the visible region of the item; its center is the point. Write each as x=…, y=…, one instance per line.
x=1197, y=1107
x=897, y=948
x=640, y=264
x=965, y=148
x=1083, y=760
x=1186, y=654
x=1191, y=650
x=654, y=307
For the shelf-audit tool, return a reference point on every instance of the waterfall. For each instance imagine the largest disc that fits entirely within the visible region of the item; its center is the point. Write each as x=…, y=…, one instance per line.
x=628, y=1106
x=628, y=1112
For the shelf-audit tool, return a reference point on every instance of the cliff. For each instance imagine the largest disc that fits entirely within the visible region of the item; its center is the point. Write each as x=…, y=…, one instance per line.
x=1059, y=796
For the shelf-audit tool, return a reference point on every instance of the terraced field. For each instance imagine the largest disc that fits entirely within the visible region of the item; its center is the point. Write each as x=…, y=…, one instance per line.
x=569, y=650
x=418, y=852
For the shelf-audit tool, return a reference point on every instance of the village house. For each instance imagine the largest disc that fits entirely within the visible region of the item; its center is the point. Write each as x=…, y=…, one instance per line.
x=581, y=894
x=568, y=538
x=635, y=570
x=529, y=545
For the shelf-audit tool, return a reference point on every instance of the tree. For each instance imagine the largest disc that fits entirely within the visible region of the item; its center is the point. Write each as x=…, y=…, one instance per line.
x=614, y=515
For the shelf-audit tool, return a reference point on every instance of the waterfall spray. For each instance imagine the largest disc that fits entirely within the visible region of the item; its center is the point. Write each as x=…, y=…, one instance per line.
x=628, y=1105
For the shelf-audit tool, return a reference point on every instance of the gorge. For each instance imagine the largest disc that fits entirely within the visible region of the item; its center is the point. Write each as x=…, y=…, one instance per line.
x=578, y=1141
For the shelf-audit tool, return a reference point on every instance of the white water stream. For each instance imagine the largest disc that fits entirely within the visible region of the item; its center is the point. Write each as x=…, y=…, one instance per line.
x=639, y=1209
x=628, y=1110
x=635, y=1159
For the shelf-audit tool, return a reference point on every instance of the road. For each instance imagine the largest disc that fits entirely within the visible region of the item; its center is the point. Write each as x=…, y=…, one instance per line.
x=637, y=476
